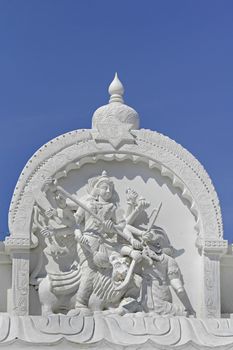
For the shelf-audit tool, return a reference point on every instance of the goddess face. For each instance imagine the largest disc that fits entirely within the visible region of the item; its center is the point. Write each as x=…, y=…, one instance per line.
x=105, y=190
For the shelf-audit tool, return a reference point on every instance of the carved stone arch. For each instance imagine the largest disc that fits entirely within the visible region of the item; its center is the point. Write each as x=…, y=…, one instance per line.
x=72, y=150
x=157, y=150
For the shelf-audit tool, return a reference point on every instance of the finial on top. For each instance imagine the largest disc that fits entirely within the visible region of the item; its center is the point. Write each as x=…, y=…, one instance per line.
x=115, y=113
x=116, y=90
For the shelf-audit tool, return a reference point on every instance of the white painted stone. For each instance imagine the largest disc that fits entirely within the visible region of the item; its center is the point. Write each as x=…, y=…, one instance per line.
x=116, y=113
x=115, y=240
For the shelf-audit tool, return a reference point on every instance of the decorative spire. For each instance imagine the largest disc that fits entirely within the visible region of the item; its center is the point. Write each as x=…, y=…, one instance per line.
x=116, y=90
x=116, y=113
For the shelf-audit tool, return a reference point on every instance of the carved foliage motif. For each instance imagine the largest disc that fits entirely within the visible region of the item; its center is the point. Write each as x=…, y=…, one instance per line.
x=211, y=290
x=20, y=288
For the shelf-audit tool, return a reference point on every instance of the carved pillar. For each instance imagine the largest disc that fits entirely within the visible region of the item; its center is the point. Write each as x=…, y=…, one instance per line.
x=19, y=251
x=212, y=251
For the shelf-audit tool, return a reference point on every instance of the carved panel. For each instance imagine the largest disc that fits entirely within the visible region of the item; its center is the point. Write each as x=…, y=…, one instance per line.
x=20, y=284
x=212, y=307
x=77, y=148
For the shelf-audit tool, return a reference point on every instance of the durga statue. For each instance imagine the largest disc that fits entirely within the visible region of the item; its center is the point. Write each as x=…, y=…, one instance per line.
x=97, y=258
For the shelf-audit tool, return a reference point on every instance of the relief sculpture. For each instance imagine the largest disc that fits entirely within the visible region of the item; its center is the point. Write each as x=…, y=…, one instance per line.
x=98, y=258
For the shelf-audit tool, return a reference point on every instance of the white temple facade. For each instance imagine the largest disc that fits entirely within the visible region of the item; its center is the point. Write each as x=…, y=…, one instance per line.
x=116, y=242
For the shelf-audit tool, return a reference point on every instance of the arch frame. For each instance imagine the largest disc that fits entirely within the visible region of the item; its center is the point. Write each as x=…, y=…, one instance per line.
x=78, y=147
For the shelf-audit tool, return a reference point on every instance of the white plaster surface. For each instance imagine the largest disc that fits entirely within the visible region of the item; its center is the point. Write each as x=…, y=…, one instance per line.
x=227, y=283
x=33, y=259
x=115, y=332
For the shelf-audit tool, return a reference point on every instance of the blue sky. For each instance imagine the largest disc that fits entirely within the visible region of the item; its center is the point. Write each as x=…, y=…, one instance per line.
x=174, y=57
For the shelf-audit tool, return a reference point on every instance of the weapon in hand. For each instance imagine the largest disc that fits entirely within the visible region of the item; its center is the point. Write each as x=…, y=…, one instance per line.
x=151, y=224
x=117, y=229
x=155, y=218
x=133, y=262
x=84, y=207
x=148, y=254
x=76, y=201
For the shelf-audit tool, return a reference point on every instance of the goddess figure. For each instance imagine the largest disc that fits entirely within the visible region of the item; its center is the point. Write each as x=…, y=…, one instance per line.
x=91, y=233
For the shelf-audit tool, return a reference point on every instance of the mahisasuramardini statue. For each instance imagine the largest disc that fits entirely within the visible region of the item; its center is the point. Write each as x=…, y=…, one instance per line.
x=97, y=260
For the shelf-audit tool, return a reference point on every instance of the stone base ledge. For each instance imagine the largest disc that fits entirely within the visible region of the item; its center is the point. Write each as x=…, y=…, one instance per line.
x=101, y=331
